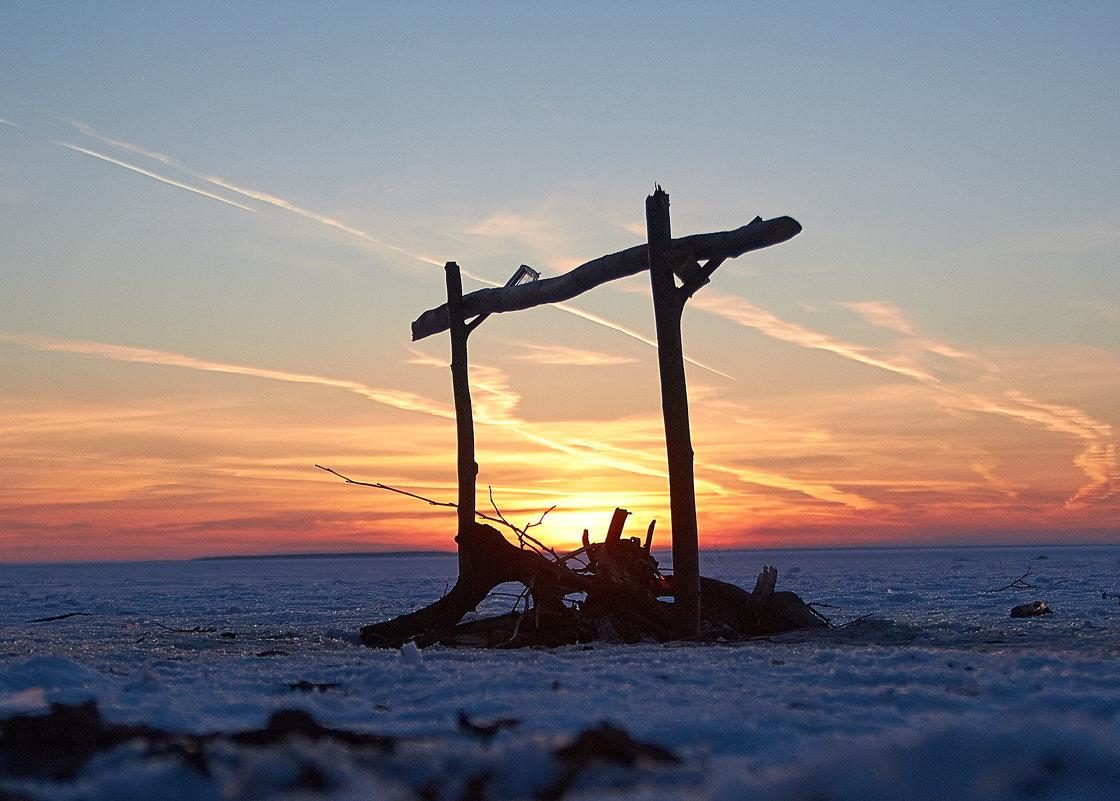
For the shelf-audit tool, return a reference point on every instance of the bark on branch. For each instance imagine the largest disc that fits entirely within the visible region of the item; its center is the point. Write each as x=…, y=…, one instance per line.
x=718, y=246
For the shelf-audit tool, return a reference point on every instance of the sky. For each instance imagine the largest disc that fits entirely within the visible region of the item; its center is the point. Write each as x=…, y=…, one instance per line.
x=217, y=222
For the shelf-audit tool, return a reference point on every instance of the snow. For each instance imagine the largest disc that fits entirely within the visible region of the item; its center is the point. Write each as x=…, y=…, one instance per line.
x=938, y=693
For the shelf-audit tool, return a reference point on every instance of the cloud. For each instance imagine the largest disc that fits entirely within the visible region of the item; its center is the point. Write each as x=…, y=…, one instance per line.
x=1099, y=459
x=538, y=232
x=912, y=358
x=742, y=311
x=150, y=154
x=1099, y=463
x=818, y=490
x=407, y=401
x=567, y=307
x=497, y=225
x=603, y=321
x=252, y=194
x=153, y=175
x=883, y=314
x=562, y=354
x=515, y=226
x=494, y=401
x=312, y=215
x=495, y=404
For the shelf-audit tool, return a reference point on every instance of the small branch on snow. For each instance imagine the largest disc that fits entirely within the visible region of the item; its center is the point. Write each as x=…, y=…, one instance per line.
x=195, y=630
x=53, y=618
x=1018, y=584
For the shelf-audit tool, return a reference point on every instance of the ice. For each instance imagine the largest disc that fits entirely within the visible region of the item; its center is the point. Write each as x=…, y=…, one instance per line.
x=931, y=691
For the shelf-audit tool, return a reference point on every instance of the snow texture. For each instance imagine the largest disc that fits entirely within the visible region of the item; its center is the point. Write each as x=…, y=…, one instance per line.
x=931, y=692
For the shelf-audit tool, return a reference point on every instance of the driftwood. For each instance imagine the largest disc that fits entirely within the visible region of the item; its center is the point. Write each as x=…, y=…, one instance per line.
x=685, y=252
x=622, y=600
x=668, y=306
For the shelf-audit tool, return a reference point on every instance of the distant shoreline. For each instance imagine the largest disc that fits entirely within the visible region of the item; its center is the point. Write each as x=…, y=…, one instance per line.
x=325, y=555
x=662, y=555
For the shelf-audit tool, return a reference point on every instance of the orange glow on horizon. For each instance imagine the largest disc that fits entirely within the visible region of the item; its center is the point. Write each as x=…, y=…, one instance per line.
x=166, y=468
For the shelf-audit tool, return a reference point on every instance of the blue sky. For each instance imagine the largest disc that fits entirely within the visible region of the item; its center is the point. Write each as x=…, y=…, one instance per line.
x=275, y=186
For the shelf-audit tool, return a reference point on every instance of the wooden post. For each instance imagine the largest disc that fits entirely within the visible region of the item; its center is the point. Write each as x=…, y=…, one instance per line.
x=668, y=304
x=466, y=466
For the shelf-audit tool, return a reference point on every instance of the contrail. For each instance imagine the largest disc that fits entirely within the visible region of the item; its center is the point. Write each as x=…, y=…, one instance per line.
x=586, y=315
x=1098, y=461
x=281, y=203
x=150, y=174
x=252, y=194
x=151, y=154
x=633, y=334
x=742, y=311
x=311, y=215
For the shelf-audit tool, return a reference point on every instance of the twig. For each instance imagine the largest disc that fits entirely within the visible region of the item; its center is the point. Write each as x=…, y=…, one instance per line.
x=815, y=607
x=521, y=535
x=379, y=485
x=58, y=617
x=195, y=630
x=1017, y=584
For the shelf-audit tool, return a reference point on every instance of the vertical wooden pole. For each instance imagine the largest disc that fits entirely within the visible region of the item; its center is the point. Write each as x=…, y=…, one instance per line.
x=466, y=467
x=668, y=304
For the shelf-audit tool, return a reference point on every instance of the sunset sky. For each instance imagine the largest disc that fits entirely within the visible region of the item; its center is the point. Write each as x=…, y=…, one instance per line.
x=217, y=221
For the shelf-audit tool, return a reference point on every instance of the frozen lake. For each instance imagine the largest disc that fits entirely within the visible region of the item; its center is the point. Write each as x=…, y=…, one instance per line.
x=933, y=692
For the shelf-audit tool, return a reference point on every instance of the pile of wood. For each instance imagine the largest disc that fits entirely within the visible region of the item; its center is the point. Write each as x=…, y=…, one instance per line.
x=607, y=592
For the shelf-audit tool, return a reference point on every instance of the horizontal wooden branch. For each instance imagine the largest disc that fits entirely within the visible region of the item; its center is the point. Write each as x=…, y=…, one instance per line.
x=722, y=245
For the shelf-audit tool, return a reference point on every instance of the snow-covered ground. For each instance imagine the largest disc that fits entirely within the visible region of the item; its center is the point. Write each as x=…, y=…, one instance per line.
x=939, y=694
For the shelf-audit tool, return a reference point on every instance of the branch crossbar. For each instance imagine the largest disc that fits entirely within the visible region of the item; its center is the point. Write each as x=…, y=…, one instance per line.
x=714, y=247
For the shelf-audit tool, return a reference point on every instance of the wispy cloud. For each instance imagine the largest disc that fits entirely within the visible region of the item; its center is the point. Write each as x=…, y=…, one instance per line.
x=961, y=382
x=408, y=401
x=8, y=123
x=494, y=401
x=883, y=314
x=312, y=215
x=499, y=225
x=742, y=311
x=540, y=231
x=813, y=489
x=229, y=186
x=117, y=143
x=1098, y=461
x=498, y=404
x=634, y=335
x=150, y=174
x=603, y=321
x=562, y=354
